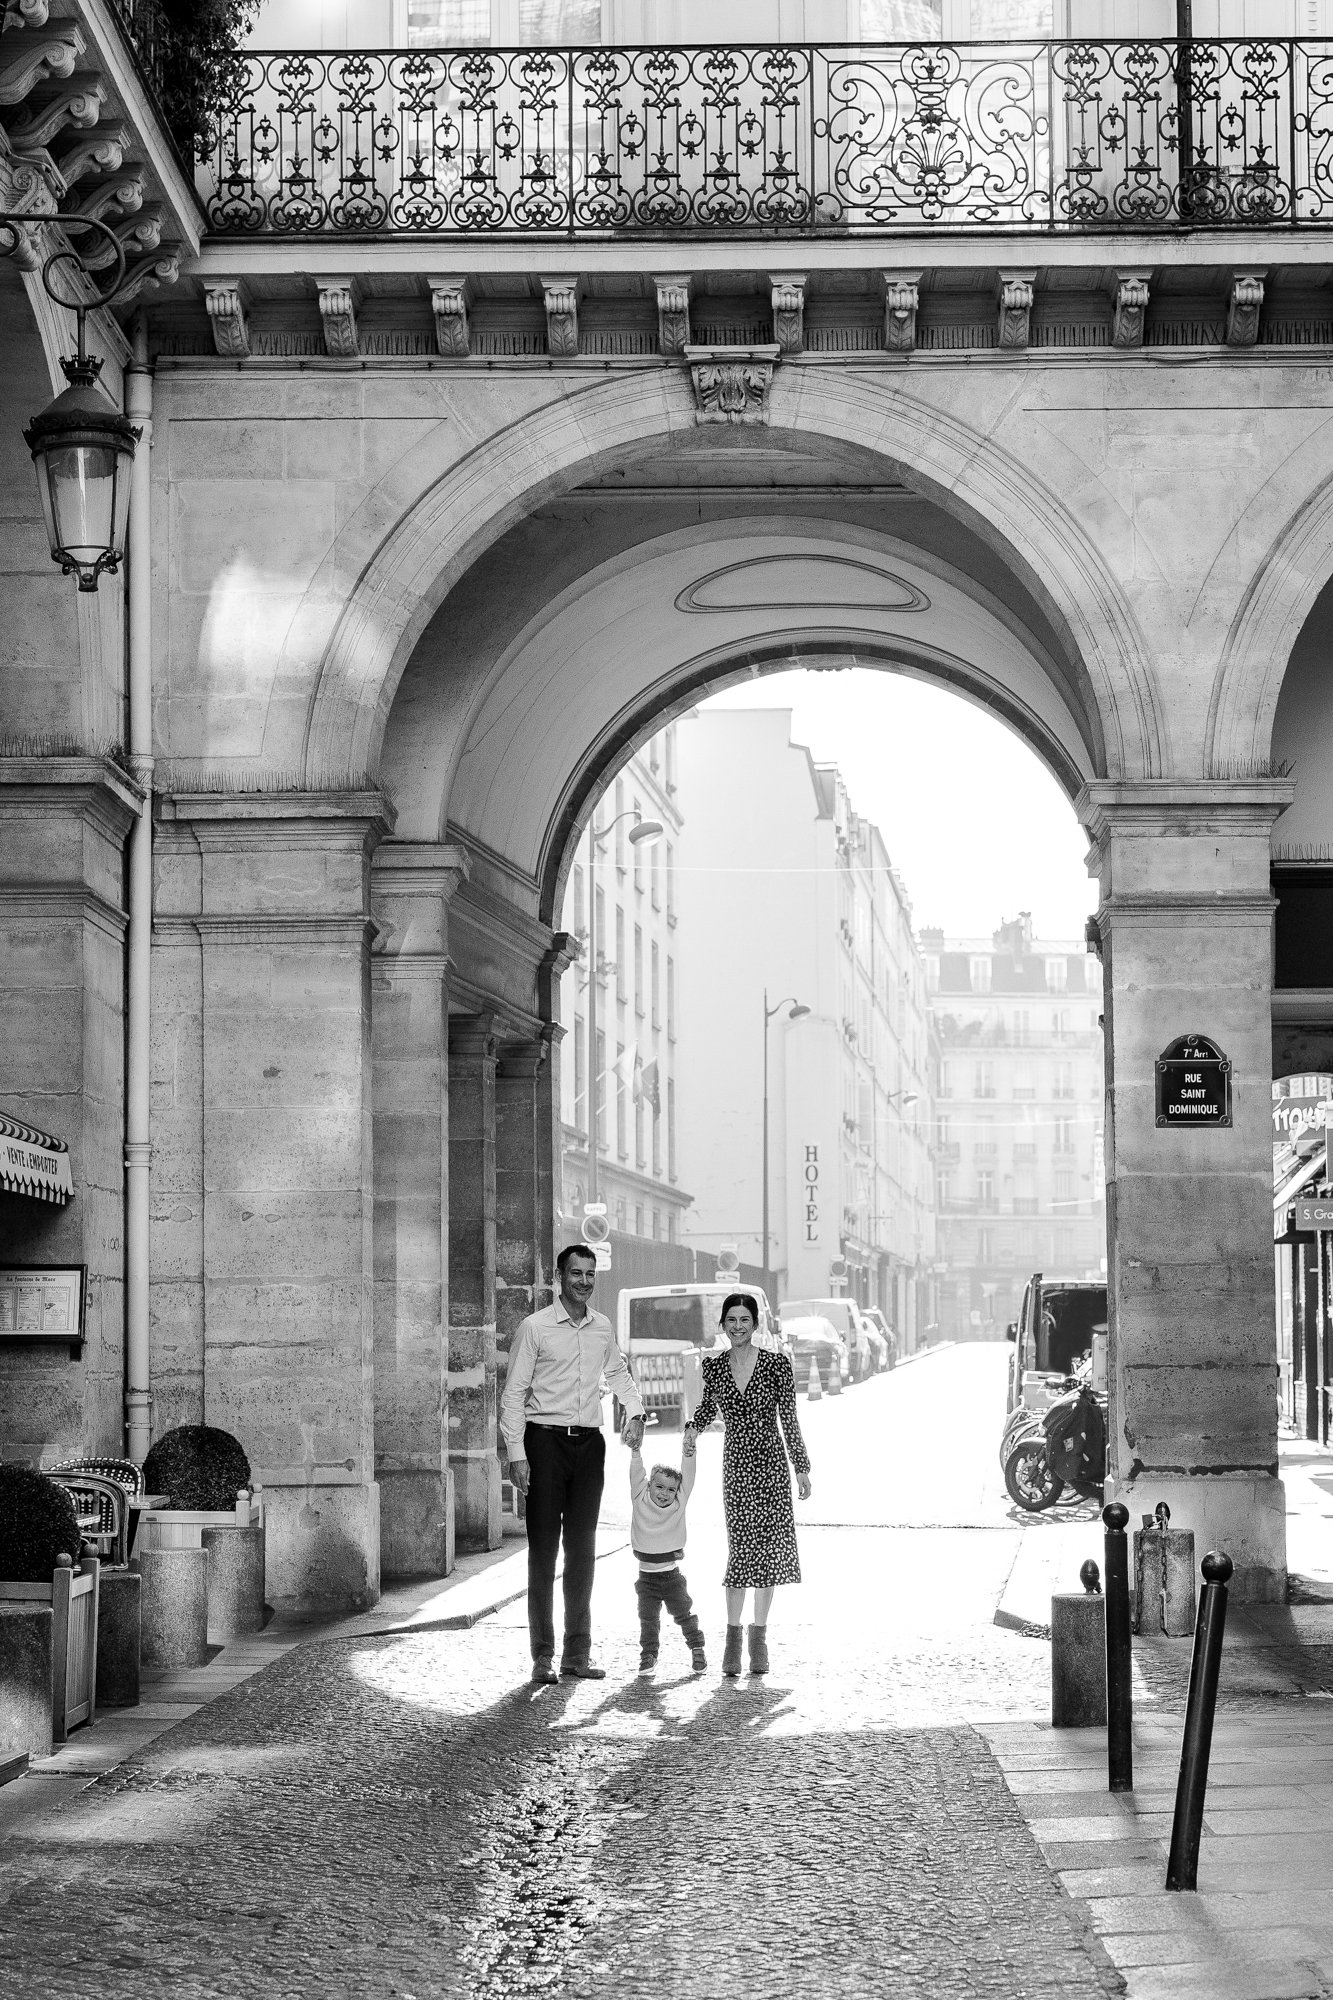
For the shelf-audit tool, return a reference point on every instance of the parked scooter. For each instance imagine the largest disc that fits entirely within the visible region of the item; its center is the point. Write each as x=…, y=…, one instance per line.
x=1061, y=1448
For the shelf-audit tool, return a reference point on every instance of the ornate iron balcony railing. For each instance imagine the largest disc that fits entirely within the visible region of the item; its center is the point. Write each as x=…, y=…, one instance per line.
x=794, y=141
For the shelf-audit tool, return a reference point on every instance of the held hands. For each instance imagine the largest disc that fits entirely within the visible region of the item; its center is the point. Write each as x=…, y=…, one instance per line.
x=687, y=1443
x=633, y=1433
x=803, y=1485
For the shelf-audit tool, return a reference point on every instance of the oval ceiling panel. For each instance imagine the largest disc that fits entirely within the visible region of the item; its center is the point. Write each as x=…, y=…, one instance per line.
x=802, y=583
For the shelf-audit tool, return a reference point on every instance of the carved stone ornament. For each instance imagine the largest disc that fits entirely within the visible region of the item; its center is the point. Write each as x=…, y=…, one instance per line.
x=32, y=59
x=101, y=152
x=25, y=13
x=111, y=199
x=902, y=296
x=673, y=315
x=1016, y=308
x=81, y=106
x=150, y=272
x=562, y=317
x=337, y=309
x=789, y=311
x=1244, y=307
x=731, y=384
x=226, y=311
x=1131, y=308
x=448, y=302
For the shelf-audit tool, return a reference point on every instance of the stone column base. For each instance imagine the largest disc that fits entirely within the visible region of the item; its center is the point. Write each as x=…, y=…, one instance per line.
x=416, y=1523
x=323, y=1547
x=1240, y=1514
x=478, y=1511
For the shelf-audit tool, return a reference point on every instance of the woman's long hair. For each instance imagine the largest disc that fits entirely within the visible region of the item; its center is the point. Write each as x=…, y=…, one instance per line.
x=746, y=1299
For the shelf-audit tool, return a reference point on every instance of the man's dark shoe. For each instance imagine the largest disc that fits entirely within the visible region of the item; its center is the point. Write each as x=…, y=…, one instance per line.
x=647, y=1661
x=544, y=1674
x=581, y=1670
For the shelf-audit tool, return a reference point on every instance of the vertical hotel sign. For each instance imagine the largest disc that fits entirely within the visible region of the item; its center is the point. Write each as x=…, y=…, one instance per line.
x=810, y=1195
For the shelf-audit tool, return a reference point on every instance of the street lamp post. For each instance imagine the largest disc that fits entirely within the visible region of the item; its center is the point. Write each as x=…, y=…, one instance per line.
x=644, y=833
x=795, y=1014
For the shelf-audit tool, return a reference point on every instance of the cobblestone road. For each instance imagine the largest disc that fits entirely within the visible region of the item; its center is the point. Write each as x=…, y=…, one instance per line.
x=402, y=1816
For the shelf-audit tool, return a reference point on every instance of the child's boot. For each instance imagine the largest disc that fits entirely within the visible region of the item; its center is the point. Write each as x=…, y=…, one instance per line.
x=731, y=1654
x=699, y=1658
x=758, y=1649
x=647, y=1661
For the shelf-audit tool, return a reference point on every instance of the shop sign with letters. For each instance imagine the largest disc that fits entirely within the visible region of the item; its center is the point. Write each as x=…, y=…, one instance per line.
x=1193, y=1083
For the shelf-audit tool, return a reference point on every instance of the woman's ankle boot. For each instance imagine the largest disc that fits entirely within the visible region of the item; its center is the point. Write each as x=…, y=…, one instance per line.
x=731, y=1654
x=758, y=1649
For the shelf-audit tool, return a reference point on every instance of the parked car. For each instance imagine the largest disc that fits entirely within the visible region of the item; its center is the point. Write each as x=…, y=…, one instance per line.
x=813, y=1338
x=886, y=1333
x=1061, y=1320
x=845, y=1315
x=664, y=1331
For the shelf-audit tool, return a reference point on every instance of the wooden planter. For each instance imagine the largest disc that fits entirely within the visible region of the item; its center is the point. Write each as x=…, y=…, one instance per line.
x=72, y=1595
x=235, y=1546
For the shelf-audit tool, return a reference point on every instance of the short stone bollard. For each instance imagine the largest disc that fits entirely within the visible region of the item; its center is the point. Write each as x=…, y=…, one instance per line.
x=1163, y=1577
x=119, y=1637
x=1078, y=1655
x=235, y=1581
x=175, y=1606
x=27, y=1641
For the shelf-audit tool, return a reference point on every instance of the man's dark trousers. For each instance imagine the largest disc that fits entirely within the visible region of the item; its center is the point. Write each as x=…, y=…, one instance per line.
x=654, y=1588
x=566, y=1470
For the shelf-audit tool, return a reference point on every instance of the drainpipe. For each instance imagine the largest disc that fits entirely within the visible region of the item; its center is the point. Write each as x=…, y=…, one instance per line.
x=138, y=1397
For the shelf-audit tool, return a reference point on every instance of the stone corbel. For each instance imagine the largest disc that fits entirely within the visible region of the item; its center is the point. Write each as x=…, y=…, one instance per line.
x=673, y=315
x=1129, y=292
x=448, y=303
x=32, y=59
x=150, y=272
x=1016, y=291
x=79, y=106
x=337, y=310
x=902, y=297
x=112, y=199
x=562, y=317
x=101, y=152
x=224, y=301
x=24, y=14
x=732, y=384
x=1244, y=307
x=788, y=296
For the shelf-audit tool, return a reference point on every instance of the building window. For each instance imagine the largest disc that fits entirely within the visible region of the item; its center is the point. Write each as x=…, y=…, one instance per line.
x=1064, y=1135
x=620, y=1212
x=655, y=1016
x=671, y=1225
x=640, y=1157
x=638, y=1219
x=985, y=1186
x=657, y=1143
x=1024, y=1080
x=1064, y=1080
x=944, y=1189
x=638, y=859
x=1064, y=1185
x=985, y=1080
x=657, y=1225
x=620, y=826
x=984, y=1145
x=671, y=999
x=671, y=1137
x=946, y=1080
x=638, y=970
x=599, y=970
x=622, y=1106
x=655, y=755
x=985, y=1246
x=654, y=875
x=1060, y=1024
x=556, y=23
x=1057, y=974
x=979, y=972
x=620, y=955
x=580, y=1075
x=671, y=882
x=1022, y=1029
x=448, y=24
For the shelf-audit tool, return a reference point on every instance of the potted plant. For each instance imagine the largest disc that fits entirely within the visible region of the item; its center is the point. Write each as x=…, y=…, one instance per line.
x=48, y=1616
x=203, y=1475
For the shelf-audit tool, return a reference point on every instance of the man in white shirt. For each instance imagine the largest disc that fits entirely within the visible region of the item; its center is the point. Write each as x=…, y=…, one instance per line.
x=551, y=1420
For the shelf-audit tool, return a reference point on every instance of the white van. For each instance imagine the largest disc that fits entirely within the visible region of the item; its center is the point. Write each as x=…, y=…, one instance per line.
x=664, y=1331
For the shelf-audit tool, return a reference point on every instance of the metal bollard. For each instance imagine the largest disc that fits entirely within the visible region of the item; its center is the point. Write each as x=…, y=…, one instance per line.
x=1182, y=1868
x=1119, y=1654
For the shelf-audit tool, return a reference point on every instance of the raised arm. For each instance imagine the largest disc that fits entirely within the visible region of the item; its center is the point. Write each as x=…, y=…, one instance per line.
x=616, y=1374
x=705, y=1412
x=787, y=1417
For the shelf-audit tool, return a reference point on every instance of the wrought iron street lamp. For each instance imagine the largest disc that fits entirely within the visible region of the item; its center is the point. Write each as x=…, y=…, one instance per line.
x=644, y=833
x=81, y=447
x=795, y=1013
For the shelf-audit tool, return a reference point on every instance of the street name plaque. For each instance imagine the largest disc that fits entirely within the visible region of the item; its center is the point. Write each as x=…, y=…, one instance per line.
x=1193, y=1083
x=1314, y=1213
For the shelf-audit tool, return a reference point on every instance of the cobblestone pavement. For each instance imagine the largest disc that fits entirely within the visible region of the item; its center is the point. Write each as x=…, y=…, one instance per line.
x=400, y=1815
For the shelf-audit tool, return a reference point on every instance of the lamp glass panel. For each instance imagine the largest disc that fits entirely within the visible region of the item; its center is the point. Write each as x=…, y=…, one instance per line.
x=82, y=479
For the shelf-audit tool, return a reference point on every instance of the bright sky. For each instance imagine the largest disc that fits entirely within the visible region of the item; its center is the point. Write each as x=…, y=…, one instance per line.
x=975, y=824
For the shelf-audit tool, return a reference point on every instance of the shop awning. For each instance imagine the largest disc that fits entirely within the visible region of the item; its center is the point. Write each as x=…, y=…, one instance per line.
x=33, y=1163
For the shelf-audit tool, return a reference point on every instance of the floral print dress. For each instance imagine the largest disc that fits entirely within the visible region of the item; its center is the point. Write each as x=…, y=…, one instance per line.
x=756, y=1482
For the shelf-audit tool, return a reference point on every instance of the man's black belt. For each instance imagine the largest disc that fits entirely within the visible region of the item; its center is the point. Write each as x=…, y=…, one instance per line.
x=567, y=1430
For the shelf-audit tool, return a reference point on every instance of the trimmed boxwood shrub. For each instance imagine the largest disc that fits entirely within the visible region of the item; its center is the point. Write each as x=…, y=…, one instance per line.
x=37, y=1524
x=200, y=1469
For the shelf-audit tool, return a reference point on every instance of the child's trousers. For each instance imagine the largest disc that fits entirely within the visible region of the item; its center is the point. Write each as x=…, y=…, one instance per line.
x=655, y=1588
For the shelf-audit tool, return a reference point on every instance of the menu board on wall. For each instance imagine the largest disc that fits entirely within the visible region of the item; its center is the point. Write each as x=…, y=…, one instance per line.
x=42, y=1302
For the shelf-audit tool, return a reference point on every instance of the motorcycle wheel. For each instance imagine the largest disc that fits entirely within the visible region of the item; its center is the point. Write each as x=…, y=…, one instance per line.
x=1028, y=1479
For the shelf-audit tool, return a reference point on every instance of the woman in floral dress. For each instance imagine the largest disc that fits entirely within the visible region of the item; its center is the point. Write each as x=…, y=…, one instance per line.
x=753, y=1390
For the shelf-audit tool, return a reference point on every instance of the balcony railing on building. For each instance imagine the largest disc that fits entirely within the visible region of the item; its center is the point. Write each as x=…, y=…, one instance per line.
x=783, y=141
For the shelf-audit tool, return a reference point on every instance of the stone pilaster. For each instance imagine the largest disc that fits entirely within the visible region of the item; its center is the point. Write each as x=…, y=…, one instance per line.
x=473, y=1409
x=63, y=826
x=1186, y=924
x=411, y=887
x=270, y=893
x=522, y=1224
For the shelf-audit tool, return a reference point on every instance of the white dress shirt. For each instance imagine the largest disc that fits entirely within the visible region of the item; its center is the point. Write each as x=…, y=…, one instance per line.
x=555, y=1374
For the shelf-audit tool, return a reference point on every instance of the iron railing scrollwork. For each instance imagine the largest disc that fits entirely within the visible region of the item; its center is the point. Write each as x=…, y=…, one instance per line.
x=782, y=141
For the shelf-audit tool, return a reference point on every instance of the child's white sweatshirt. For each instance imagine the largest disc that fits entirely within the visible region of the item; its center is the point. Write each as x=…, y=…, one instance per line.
x=658, y=1533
